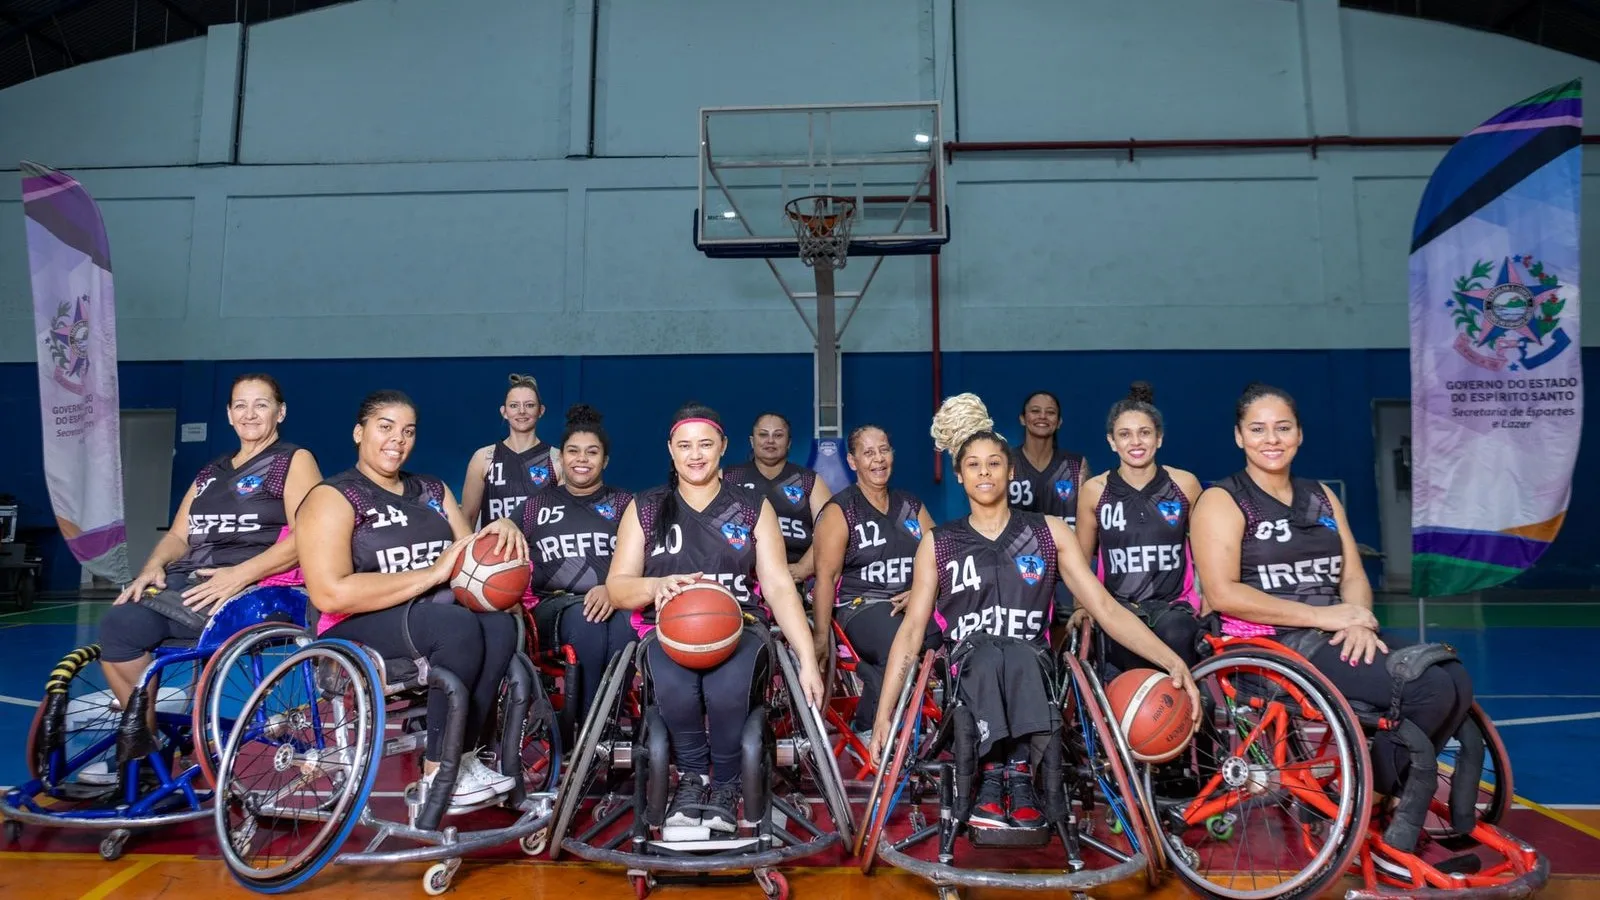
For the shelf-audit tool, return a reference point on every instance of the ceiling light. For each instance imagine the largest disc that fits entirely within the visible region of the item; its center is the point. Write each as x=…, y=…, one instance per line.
x=922, y=139
x=730, y=214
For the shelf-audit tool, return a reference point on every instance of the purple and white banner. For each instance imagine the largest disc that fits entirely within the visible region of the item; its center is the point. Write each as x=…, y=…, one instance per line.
x=75, y=319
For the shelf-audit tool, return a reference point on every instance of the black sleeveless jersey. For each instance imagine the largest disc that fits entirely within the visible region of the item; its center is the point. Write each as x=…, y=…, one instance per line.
x=1142, y=534
x=1003, y=587
x=1291, y=552
x=571, y=539
x=511, y=478
x=1053, y=491
x=790, y=496
x=236, y=513
x=720, y=541
x=394, y=532
x=880, y=548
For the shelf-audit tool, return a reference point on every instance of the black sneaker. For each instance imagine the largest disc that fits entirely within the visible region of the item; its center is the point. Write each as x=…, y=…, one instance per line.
x=691, y=794
x=989, y=807
x=1025, y=812
x=723, y=802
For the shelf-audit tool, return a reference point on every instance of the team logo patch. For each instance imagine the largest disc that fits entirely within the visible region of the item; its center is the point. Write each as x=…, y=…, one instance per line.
x=1170, y=510
x=607, y=510
x=436, y=506
x=913, y=526
x=1064, y=488
x=794, y=493
x=1509, y=319
x=1329, y=523
x=1031, y=567
x=539, y=474
x=736, y=535
x=248, y=485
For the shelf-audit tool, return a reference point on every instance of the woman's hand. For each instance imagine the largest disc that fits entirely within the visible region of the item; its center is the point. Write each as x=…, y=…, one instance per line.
x=446, y=563
x=671, y=586
x=597, y=604
x=218, y=586
x=811, y=682
x=1360, y=643
x=506, y=534
x=897, y=603
x=1183, y=678
x=1340, y=616
x=156, y=578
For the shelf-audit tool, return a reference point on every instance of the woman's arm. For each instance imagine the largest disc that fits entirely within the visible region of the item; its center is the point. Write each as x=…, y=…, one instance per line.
x=908, y=637
x=806, y=566
x=224, y=582
x=1120, y=624
x=828, y=546
x=778, y=590
x=626, y=581
x=323, y=528
x=1088, y=528
x=472, y=485
x=167, y=551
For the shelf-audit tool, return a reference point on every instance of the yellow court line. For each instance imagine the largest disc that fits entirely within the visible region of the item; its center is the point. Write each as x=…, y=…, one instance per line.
x=68, y=856
x=118, y=880
x=1557, y=815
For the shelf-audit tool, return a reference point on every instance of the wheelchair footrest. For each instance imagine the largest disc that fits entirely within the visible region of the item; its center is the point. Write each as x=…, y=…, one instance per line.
x=1009, y=837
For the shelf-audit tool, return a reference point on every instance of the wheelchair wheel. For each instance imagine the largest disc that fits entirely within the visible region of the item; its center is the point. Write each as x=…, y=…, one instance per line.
x=1110, y=765
x=75, y=725
x=817, y=758
x=1495, y=787
x=897, y=755
x=299, y=765
x=1284, y=792
x=586, y=763
x=228, y=679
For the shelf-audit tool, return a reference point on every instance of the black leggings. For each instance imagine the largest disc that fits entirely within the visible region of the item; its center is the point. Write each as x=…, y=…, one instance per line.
x=871, y=630
x=1437, y=703
x=1175, y=624
x=694, y=702
x=593, y=643
x=474, y=647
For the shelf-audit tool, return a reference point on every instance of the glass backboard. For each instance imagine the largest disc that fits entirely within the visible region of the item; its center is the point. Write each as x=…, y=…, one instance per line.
x=885, y=157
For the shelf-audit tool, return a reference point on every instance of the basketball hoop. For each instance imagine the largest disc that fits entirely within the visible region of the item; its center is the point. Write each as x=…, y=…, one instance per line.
x=824, y=233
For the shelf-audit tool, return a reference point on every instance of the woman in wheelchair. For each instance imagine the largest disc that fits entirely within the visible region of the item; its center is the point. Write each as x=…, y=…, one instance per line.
x=378, y=546
x=1136, y=517
x=571, y=530
x=698, y=525
x=1276, y=558
x=223, y=540
x=865, y=542
x=988, y=580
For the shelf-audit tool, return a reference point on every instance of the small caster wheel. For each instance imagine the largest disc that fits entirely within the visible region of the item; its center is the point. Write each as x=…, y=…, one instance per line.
x=13, y=832
x=1220, y=827
x=605, y=807
x=947, y=892
x=535, y=844
x=437, y=879
x=1116, y=825
x=773, y=884
x=641, y=886
x=111, y=846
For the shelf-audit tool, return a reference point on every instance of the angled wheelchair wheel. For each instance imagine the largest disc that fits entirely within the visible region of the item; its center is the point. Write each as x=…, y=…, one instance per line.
x=899, y=753
x=75, y=724
x=816, y=757
x=1283, y=795
x=227, y=681
x=298, y=765
x=1495, y=788
x=1110, y=765
x=586, y=763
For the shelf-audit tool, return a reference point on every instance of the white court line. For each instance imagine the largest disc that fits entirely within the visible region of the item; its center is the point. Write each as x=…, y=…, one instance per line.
x=1546, y=720
x=41, y=606
x=17, y=701
x=1537, y=696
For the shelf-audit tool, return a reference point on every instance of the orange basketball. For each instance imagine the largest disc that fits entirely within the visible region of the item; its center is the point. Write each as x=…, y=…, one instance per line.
x=485, y=581
x=700, y=627
x=1153, y=714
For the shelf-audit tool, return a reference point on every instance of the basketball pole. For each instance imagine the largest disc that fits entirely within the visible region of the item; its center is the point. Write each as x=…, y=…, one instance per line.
x=828, y=400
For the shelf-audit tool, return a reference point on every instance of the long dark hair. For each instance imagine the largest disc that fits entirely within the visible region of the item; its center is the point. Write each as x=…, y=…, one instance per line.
x=668, y=511
x=1141, y=399
x=1055, y=436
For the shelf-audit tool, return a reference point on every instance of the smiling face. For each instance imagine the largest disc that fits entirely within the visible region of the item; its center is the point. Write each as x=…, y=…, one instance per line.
x=385, y=439
x=254, y=411
x=769, y=440
x=1269, y=433
x=1041, y=416
x=872, y=458
x=984, y=470
x=522, y=409
x=696, y=449
x=583, y=458
x=1135, y=439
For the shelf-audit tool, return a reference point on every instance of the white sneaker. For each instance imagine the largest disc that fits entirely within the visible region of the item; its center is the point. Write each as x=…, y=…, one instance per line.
x=97, y=773
x=473, y=767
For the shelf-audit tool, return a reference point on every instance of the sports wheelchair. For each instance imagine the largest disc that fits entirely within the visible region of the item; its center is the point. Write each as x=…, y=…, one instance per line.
x=1283, y=755
x=94, y=766
x=622, y=762
x=305, y=747
x=1089, y=796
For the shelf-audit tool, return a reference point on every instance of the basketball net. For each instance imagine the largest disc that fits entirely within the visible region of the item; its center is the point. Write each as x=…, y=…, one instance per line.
x=823, y=234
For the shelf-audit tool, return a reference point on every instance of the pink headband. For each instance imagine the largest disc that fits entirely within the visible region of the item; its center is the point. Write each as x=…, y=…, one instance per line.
x=674, y=429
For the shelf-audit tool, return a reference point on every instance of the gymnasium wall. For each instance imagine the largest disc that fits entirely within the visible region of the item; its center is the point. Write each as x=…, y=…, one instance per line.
x=428, y=194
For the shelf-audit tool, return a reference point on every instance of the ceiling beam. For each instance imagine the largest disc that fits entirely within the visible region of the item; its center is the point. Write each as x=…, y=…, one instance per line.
x=38, y=20
x=183, y=14
x=10, y=17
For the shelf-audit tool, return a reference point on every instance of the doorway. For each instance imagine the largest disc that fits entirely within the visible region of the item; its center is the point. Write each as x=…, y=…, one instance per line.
x=149, y=442
x=1391, y=431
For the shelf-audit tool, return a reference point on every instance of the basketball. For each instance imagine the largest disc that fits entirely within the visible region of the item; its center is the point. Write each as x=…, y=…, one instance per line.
x=1153, y=715
x=485, y=581
x=700, y=627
